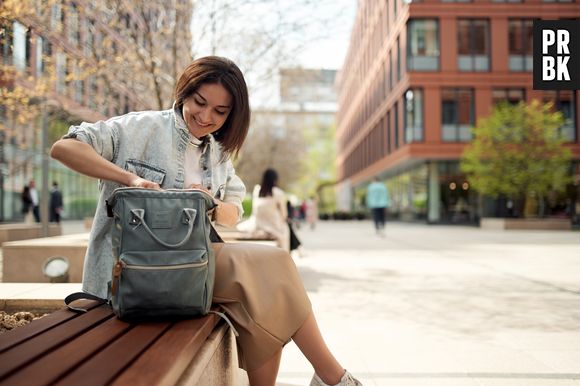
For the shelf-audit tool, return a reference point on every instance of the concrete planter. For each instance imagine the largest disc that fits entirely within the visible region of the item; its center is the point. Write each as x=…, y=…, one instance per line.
x=526, y=223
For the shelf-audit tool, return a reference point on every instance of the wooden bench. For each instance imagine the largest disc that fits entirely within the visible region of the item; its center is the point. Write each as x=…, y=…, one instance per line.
x=95, y=348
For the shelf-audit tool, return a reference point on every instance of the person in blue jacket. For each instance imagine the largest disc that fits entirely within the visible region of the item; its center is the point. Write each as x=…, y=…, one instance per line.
x=377, y=201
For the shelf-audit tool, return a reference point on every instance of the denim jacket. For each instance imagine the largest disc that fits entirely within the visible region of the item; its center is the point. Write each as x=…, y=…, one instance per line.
x=150, y=144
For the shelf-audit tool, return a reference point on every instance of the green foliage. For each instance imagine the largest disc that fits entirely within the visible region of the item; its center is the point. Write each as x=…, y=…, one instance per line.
x=517, y=151
x=247, y=205
x=318, y=165
x=58, y=125
x=79, y=208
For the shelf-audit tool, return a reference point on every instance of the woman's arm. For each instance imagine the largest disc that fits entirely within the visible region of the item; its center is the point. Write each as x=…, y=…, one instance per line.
x=82, y=158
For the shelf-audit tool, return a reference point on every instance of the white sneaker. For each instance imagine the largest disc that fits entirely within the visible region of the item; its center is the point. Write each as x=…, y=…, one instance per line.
x=346, y=380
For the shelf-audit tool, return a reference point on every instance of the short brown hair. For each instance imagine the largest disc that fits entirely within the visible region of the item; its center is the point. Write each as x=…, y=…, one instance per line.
x=218, y=70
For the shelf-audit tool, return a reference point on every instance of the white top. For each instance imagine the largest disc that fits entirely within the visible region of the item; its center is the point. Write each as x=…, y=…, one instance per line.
x=192, y=167
x=270, y=213
x=34, y=196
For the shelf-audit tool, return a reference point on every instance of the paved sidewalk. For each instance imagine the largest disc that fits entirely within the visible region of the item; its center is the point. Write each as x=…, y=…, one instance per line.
x=440, y=306
x=443, y=306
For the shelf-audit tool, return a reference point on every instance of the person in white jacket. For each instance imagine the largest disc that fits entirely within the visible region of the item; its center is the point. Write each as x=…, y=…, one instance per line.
x=270, y=210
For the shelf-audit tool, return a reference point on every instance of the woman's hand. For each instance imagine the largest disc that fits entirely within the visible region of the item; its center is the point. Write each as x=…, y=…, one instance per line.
x=203, y=189
x=224, y=212
x=139, y=182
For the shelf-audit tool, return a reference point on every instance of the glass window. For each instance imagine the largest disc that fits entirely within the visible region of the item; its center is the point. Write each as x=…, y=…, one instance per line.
x=7, y=42
x=564, y=101
x=513, y=96
x=46, y=54
x=423, y=45
x=89, y=40
x=79, y=85
x=93, y=92
x=55, y=17
x=396, y=126
x=457, y=113
x=389, y=144
x=399, y=60
x=60, y=72
x=28, y=50
x=390, y=70
x=473, y=44
x=414, y=115
x=19, y=46
x=521, y=36
x=39, y=65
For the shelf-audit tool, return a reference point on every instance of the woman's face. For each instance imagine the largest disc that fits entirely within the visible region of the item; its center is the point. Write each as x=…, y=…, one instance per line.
x=207, y=109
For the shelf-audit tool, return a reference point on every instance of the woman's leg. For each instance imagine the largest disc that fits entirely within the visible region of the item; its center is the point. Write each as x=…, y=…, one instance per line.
x=309, y=340
x=266, y=375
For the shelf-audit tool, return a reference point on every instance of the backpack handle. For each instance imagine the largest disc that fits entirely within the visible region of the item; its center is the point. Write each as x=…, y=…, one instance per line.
x=190, y=213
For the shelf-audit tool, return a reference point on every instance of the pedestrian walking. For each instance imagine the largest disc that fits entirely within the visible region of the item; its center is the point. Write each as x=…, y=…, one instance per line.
x=34, y=200
x=56, y=204
x=191, y=145
x=377, y=201
x=311, y=212
x=294, y=240
x=26, y=204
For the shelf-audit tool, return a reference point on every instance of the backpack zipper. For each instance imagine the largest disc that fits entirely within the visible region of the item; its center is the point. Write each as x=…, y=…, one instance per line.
x=120, y=265
x=161, y=267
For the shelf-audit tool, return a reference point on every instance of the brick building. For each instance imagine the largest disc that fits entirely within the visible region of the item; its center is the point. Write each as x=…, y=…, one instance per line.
x=95, y=61
x=416, y=78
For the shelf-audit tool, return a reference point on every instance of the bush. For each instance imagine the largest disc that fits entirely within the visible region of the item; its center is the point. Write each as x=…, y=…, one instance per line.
x=247, y=205
x=360, y=215
x=79, y=208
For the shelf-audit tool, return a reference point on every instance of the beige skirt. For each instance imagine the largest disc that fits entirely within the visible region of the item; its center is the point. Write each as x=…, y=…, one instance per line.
x=260, y=290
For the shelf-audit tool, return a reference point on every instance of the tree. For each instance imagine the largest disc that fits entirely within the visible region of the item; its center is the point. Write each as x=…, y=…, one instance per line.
x=271, y=145
x=518, y=152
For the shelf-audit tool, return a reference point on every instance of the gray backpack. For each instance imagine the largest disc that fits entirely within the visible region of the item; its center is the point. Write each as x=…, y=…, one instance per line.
x=164, y=263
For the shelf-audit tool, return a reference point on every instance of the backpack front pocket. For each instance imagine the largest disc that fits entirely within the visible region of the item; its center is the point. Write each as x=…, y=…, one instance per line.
x=161, y=283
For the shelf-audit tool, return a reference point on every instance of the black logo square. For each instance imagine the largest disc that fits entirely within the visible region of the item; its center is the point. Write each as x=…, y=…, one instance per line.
x=556, y=54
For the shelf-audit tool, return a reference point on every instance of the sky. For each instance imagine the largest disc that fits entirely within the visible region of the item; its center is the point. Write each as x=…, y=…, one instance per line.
x=316, y=31
x=329, y=52
x=262, y=36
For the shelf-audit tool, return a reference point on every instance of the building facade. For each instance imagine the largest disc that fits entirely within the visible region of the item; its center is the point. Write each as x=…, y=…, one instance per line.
x=417, y=76
x=80, y=60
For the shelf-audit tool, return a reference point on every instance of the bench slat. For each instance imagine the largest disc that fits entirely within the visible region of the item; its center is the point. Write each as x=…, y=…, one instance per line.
x=166, y=360
x=102, y=369
x=54, y=365
x=36, y=327
x=13, y=359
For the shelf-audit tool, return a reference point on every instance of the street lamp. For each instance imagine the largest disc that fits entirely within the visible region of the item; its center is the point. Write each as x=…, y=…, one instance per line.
x=44, y=212
x=56, y=269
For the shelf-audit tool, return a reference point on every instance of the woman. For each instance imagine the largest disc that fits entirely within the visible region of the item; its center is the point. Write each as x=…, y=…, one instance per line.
x=190, y=146
x=270, y=210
